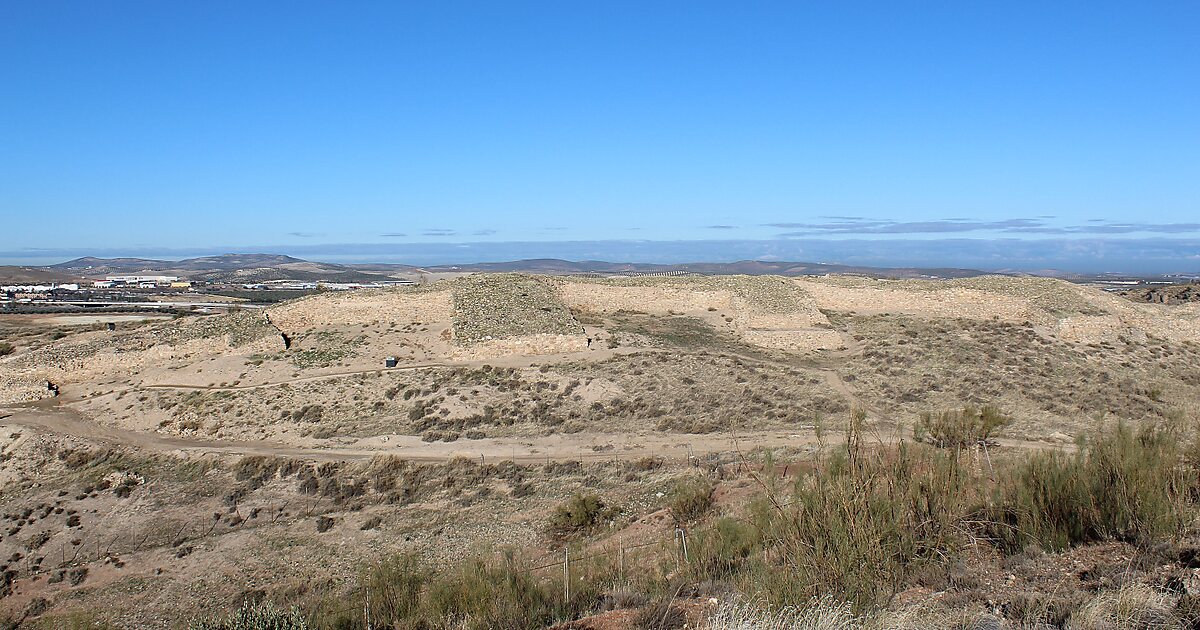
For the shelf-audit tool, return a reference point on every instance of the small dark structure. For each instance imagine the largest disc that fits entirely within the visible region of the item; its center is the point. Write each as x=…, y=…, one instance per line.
x=390, y=362
x=52, y=388
x=111, y=325
x=287, y=341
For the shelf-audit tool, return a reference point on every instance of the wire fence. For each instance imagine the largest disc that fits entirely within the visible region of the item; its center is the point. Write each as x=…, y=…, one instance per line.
x=624, y=557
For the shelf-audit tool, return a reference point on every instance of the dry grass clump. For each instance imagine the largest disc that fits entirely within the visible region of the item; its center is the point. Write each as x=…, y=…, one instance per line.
x=1133, y=606
x=821, y=614
x=661, y=614
x=262, y=616
x=256, y=470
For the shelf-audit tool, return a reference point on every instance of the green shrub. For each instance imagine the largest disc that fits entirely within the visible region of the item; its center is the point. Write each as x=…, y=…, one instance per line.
x=691, y=498
x=255, y=617
x=481, y=595
x=722, y=551
x=6, y=348
x=478, y=594
x=395, y=589
x=960, y=427
x=1124, y=485
x=581, y=513
x=862, y=521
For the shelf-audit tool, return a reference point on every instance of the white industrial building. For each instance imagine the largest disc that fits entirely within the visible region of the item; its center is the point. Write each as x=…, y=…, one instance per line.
x=142, y=281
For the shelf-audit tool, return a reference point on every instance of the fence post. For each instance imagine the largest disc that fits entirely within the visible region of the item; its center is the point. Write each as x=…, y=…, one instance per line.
x=566, y=574
x=621, y=563
x=367, y=605
x=678, y=550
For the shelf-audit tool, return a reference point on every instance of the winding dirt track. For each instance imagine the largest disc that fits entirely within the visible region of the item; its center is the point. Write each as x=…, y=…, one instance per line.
x=580, y=446
x=302, y=379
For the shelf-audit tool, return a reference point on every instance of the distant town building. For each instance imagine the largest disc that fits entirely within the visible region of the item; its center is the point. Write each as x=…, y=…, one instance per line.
x=38, y=288
x=143, y=281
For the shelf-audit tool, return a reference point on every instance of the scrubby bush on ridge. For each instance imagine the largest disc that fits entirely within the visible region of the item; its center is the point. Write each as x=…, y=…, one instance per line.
x=968, y=426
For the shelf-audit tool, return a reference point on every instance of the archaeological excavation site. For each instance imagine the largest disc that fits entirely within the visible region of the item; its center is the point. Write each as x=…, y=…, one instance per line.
x=531, y=451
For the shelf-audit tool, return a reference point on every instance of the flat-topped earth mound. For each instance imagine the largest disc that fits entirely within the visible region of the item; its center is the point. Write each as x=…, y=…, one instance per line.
x=766, y=311
x=401, y=305
x=100, y=354
x=488, y=307
x=1054, y=297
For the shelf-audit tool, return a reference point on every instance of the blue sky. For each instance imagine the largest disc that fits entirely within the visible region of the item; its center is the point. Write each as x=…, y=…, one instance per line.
x=131, y=126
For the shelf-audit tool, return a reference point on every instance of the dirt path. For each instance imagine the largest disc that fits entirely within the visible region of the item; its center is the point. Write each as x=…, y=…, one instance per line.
x=579, y=446
x=301, y=379
x=517, y=362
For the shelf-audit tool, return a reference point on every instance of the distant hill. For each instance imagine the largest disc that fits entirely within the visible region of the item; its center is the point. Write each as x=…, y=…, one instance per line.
x=92, y=265
x=34, y=275
x=236, y=268
x=247, y=268
x=226, y=262
x=230, y=262
x=746, y=267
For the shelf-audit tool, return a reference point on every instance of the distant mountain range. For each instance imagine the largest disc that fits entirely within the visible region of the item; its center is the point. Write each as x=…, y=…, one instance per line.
x=746, y=267
x=234, y=268
x=226, y=262
x=254, y=268
x=246, y=268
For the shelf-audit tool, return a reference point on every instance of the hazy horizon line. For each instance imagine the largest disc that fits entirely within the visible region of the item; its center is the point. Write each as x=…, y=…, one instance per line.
x=1141, y=255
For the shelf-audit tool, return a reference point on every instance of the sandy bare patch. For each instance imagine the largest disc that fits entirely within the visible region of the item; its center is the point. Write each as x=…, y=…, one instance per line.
x=605, y=298
x=535, y=345
x=82, y=320
x=949, y=302
x=796, y=340
x=337, y=309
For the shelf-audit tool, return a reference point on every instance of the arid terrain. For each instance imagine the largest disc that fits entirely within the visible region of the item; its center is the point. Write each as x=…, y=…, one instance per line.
x=187, y=466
